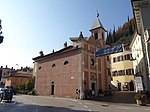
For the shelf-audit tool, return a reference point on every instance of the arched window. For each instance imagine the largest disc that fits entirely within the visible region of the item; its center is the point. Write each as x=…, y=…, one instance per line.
x=92, y=62
x=96, y=35
x=66, y=62
x=52, y=82
x=39, y=67
x=54, y=65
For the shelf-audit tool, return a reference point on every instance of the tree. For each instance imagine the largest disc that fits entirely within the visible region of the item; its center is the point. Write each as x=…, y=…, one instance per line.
x=109, y=38
x=30, y=84
x=130, y=28
x=114, y=35
x=24, y=88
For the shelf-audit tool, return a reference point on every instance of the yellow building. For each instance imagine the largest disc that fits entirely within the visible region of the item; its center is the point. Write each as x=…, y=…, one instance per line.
x=122, y=71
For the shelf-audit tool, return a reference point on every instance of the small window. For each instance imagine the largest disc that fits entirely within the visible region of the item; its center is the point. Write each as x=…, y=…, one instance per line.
x=120, y=58
x=107, y=58
x=114, y=73
x=52, y=82
x=114, y=60
x=128, y=56
x=96, y=36
x=39, y=67
x=92, y=62
x=129, y=71
x=121, y=72
x=54, y=65
x=103, y=35
x=66, y=62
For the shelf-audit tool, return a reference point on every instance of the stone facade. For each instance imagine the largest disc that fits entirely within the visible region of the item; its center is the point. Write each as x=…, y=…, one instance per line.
x=74, y=70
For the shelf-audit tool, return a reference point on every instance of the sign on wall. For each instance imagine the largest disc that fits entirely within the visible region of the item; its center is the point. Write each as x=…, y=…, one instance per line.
x=110, y=50
x=138, y=84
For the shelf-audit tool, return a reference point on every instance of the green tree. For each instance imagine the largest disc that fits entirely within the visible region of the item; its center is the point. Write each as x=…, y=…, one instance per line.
x=109, y=38
x=114, y=35
x=30, y=84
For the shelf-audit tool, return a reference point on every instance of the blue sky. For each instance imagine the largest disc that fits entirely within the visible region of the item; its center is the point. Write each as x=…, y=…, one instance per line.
x=30, y=26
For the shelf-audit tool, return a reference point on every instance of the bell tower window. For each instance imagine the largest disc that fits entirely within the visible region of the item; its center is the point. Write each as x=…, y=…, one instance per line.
x=96, y=36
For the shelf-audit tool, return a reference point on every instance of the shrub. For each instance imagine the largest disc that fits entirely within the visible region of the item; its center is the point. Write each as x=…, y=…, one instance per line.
x=138, y=96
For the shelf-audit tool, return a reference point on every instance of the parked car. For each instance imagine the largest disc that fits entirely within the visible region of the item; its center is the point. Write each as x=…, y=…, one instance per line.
x=6, y=94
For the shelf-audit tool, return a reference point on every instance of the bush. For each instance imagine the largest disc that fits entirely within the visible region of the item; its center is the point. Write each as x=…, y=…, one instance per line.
x=138, y=96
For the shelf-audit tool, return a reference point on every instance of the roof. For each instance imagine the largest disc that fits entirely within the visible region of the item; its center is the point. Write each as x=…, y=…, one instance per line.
x=64, y=50
x=136, y=5
x=19, y=75
x=97, y=24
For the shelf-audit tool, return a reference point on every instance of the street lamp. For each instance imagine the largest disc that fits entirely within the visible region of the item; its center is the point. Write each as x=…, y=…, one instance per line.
x=1, y=37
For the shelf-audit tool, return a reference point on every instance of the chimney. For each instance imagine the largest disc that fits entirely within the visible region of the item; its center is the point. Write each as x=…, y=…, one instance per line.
x=6, y=66
x=65, y=45
x=41, y=53
x=53, y=51
x=1, y=66
x=12, y=68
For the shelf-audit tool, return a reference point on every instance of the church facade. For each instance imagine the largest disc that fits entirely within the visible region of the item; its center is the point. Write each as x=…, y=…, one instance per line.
x=74, y=71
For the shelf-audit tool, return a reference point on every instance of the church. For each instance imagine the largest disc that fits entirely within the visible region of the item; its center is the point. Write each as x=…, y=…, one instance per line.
x=74, y=71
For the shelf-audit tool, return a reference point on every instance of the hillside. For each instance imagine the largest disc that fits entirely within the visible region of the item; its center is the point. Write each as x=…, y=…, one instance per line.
x=123, y=35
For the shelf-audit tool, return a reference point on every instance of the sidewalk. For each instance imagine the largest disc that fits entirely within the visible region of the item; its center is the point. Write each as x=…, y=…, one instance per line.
x=123, y=98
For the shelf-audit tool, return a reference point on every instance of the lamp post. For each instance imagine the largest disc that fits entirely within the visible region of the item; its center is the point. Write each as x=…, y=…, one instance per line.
x=1, y=37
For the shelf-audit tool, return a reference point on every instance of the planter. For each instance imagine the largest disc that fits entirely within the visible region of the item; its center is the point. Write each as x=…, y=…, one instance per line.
x=140, y=102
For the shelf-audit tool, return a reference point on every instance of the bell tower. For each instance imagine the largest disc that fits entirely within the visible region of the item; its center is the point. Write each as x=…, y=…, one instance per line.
x=98, y=32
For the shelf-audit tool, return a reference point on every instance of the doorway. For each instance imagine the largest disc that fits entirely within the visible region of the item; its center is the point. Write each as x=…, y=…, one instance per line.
x=93, y=87
x=131, y=86
x=52, y=88
x=119, y=86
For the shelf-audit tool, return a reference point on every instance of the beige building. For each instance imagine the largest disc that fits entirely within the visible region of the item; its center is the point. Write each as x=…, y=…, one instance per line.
x=141, y=10
x=139, y=64
x=122, y=71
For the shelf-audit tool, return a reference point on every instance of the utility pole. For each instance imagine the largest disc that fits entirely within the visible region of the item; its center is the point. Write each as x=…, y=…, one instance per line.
x=1, y=37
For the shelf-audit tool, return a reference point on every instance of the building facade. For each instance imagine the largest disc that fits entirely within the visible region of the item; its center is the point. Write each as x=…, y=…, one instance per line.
x=17, y=77
x=139, y=63
x=122, y=71
x=74, y=71
x=141, y=9
x=3, y=73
